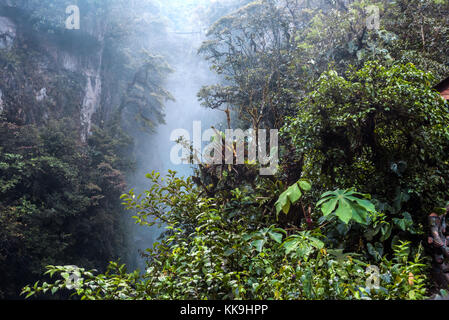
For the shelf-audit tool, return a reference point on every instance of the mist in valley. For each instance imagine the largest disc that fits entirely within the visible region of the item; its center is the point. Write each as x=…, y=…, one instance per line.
x=186, y=28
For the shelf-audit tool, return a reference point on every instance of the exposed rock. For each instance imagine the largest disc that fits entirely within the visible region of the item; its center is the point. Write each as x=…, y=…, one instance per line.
x=69, y=62
x=90, y=103
x=41, y=95
x=7, y=33
x=1, y=101
x=63, y=74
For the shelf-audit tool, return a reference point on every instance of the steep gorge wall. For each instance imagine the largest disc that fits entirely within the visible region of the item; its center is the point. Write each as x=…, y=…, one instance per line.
x=49, y=75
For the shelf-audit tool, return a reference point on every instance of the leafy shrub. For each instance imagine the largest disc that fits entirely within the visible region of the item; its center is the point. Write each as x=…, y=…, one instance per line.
x=204, y=255
x=381, y=130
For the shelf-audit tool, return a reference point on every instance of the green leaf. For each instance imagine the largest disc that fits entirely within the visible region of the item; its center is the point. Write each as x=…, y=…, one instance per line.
x=283, y=203
x=329, y=193
x=258, y=244
x=329, y=206
x=306, y=186
x=294, y=193
x=275, y=236
x=344, y=211
x=317, y=243
x=229, y=251
x=286, y=208
x=278, y=206
x=290, y=197
x=367, y=205
x=290, y=246
x=29, y=294
x=406, y=223
x=359, y=215
x=386, y=231
x=346, y=205
x=376, y=251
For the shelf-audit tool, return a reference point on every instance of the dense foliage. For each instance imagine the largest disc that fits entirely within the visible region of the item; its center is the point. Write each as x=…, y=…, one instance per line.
x=379, y=129
x=210, y=251
x=59, y=199
x=62, y=170
x=363, y=147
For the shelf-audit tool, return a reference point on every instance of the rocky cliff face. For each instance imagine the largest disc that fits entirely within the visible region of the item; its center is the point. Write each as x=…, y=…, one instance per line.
x=50, y=73
x=7, y=33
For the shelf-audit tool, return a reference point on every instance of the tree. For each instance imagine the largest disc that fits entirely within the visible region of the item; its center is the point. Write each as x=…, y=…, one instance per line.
x=380, y=129
x=251, y=49
x=59, y=199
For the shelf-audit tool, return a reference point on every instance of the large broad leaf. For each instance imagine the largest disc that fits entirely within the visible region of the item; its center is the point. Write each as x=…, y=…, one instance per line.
x=386, y=231
x=305, y=185
x=366, y=204
x=406, y=223
x=317, y=243
x=291, y=196
x=258, y=244
x=376, y=251
x=275, y=236
x=359, y=214
x=344, y=210
x=290, y=245
x=261, y=237
x=347, y=205
x=294, y=193
x=283, y=204
x=329, y=206
x=401, y=198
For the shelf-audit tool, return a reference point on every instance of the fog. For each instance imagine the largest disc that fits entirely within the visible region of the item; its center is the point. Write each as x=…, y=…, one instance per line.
x=185, y=33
